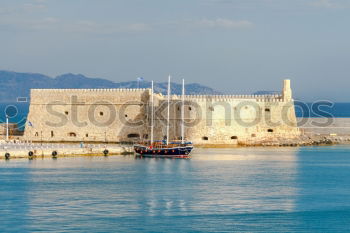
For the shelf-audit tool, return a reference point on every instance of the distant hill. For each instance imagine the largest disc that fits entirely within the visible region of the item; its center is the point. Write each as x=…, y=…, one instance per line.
x=14, y=84
x=266, y=93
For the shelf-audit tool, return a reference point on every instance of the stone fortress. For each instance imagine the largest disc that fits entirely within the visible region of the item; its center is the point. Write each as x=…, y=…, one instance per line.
x=124, y=115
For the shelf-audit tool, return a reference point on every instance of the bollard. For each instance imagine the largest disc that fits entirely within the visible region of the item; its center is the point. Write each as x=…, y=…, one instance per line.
x=54, y=154
x=105, y=152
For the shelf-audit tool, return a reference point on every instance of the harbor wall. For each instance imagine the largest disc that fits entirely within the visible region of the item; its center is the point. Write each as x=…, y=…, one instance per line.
x=42, y=150
x=324, y=126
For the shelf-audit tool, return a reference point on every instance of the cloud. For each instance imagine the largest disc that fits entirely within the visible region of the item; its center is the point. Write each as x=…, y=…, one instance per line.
x=223, y=23
x=50, y=24
x=33, y=7
x=281, y=4
x=92, y=27
x=29, y=17
x=325, y=4
x=137, y=27
x=19, y=10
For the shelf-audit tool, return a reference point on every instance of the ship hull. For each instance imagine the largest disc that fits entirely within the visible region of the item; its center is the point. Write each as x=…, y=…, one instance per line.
x=174, y=152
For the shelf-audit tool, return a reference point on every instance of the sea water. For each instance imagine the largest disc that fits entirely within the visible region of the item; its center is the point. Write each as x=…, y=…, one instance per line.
x=218, y=190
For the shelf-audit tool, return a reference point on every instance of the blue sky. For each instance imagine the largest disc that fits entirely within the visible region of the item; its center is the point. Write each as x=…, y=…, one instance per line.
x=235, y=46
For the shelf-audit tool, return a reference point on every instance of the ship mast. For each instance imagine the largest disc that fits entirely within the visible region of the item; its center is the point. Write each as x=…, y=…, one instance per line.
x=183, y=113
x=168, y=119
x=152, y=113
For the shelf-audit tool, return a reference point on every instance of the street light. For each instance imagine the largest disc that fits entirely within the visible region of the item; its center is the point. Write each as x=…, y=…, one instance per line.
x=7, y=127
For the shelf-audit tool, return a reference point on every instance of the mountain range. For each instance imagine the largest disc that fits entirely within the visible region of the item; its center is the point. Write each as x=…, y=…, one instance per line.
x=15, y=84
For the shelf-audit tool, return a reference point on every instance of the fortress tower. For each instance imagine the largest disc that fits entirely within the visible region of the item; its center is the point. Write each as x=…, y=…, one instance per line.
x=287, y=91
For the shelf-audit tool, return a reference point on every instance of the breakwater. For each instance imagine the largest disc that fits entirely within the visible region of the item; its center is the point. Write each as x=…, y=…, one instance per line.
x=324, y=126
x=314, y=131
x=35, y=150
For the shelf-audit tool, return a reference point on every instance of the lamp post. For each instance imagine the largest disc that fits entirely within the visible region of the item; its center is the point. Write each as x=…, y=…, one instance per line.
x=7, y=127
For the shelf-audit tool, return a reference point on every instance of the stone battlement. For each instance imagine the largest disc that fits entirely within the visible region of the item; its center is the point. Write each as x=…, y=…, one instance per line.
x=258, y=98
x=92, y=90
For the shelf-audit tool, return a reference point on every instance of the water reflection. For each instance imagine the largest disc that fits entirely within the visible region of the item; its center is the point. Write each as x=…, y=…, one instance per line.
x=14, y=198
x=246, y=180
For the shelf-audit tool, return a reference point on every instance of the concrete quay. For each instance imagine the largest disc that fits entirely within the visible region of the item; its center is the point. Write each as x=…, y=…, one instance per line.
x=10, y=150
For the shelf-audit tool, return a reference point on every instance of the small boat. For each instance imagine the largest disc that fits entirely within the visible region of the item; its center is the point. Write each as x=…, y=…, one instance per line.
x=165, y=148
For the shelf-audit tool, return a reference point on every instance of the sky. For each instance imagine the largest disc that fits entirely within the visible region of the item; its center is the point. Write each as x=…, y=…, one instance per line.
x=234, y=46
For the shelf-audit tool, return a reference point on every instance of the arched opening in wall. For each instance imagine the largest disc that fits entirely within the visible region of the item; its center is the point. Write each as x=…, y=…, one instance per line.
x=101, y=113
x=270, y=130
x=52, y=134
x=133, y=135
x=66, y=112
x=87, y=135
x=71, y=134
x=205, y=138
x=234, y=137
x=36, y=134
x=145, y=136
x=253, y=135
x=267, y=110
x=211, y=108
x=189, y=108
x=126, y=115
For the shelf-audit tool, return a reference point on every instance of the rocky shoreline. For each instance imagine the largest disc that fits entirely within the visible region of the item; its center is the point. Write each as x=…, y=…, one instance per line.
x=304, y=140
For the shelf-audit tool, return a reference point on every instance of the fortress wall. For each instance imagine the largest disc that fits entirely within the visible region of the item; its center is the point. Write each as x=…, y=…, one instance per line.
x=85, y=114
x=220, y=120
x=119, y=115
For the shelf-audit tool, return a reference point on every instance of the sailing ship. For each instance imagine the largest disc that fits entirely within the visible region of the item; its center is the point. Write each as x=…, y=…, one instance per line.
x=166, y=148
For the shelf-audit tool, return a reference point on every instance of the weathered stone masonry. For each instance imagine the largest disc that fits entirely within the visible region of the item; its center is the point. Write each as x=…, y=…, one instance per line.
x=123, y=115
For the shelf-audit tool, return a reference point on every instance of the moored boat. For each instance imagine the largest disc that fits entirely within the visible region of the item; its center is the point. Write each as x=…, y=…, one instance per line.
x=160, y=149
x=165, y=148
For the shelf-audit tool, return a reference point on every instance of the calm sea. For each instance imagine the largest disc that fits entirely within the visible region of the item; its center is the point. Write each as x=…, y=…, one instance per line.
x=222, y=190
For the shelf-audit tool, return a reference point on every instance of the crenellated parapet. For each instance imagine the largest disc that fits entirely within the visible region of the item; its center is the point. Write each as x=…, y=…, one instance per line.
x=112, y=95
x=257, y=98
x=285, y=96
x=92, y=90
